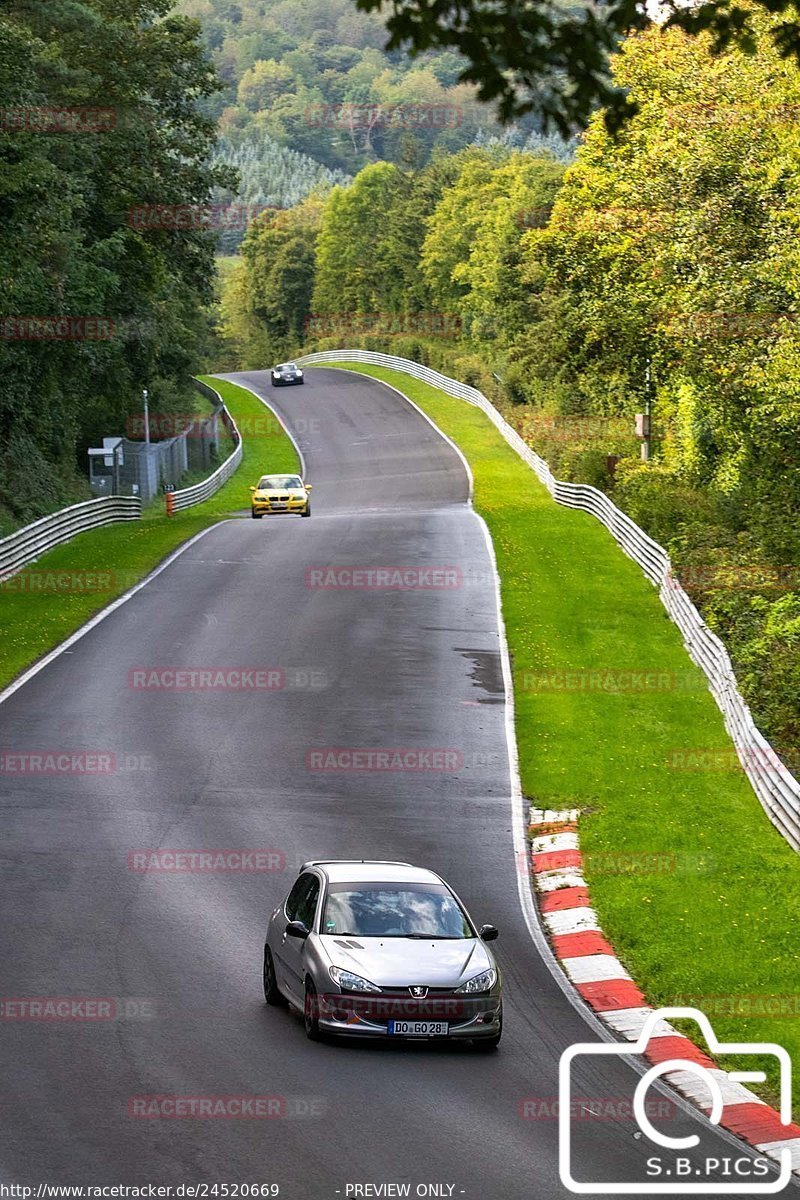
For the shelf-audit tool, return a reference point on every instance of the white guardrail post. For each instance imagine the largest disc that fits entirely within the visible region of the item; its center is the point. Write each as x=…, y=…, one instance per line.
x=775, y=786
x=187, y=497
x=27, y=544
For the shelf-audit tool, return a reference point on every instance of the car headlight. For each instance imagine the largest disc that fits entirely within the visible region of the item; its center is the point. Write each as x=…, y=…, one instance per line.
x=350, y=982
x=481, y=983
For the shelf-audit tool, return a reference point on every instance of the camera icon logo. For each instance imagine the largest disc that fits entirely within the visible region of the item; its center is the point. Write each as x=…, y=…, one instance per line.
x=711, y=1081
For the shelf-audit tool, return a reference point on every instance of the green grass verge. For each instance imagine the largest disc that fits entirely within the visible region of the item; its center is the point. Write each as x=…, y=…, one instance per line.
x=35, y=617
x=698, y=893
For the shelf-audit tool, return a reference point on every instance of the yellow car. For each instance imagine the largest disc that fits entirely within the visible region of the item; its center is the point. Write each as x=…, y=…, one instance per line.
x=280, y=493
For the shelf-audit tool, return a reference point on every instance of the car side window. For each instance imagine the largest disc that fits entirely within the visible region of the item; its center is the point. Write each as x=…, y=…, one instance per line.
x=296, y=895
x=307, y=907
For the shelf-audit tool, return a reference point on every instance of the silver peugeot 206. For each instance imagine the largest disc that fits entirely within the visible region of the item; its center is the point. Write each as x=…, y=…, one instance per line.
x=382, y=950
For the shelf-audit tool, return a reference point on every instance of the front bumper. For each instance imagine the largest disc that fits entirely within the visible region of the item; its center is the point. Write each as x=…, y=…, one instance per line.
x=348, y=1015
x=263, y=506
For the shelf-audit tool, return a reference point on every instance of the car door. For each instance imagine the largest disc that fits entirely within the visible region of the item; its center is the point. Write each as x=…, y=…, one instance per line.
x=291, y=949
x=286, y=913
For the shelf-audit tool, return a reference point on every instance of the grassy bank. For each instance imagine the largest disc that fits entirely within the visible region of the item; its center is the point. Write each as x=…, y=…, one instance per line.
x=50, y=599
x=699, y=894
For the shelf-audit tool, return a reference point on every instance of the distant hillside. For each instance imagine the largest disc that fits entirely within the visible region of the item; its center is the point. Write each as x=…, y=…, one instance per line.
x=271, y=175
x=313, y=76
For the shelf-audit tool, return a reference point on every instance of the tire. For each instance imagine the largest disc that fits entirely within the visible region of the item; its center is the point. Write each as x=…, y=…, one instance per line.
x=306, y=511
x=310, y=1021
x=256, y=516
x=272, y=993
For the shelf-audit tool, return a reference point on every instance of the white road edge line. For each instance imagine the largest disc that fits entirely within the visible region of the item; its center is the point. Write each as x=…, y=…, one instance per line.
x=520, y=809
x=104, y=612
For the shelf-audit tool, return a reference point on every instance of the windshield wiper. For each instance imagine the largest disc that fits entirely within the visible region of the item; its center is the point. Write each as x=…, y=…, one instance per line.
x=432, y=937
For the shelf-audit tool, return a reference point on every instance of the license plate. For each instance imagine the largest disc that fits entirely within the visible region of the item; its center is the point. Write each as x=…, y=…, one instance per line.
x=419, y=1028
x=278, y=504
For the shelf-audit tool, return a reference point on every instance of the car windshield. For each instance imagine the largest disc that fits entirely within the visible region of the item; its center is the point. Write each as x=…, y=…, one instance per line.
x=280, y=481
x=287, y=367
x=412, y=910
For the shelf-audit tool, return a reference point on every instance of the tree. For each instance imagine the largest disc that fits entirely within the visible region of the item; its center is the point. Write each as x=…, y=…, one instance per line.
x=67, y=245
x=552, y=59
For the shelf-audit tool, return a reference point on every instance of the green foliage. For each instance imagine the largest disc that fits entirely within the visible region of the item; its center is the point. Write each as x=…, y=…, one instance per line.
x=66, y=245
x=289, y=64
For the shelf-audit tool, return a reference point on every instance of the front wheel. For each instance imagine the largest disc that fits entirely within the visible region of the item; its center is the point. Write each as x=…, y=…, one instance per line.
x=311, y=1013
x=256, y=516
x=272, y=994
x=306, y=511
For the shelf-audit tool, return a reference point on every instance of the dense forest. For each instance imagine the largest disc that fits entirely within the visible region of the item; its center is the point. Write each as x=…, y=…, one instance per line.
x=100, y=117
x=662, y=265
x=309, y=95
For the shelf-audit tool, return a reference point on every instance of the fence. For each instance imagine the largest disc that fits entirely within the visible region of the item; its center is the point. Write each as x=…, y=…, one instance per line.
x=25, y=546
x=775, y=786
x=187, y=497
x=147, y=468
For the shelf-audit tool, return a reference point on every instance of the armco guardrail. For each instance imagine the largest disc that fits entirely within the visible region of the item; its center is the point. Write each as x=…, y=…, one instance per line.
x=26, y=545
x=198, y=492
x=773, y=783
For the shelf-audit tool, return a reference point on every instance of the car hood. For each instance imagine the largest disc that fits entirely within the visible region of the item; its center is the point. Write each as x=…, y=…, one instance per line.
x=404, y=962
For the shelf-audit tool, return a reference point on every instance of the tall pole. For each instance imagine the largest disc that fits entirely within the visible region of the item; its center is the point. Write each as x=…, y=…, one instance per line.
x=146, y=417
x=648, y=409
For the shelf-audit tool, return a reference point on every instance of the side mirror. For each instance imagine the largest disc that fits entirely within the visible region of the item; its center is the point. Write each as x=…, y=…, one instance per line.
x=307, y=486
x=297, y=929
x=489, y=933
x=252, y=489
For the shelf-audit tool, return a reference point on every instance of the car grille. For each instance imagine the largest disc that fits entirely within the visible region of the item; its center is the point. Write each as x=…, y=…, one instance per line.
x=439, y=1005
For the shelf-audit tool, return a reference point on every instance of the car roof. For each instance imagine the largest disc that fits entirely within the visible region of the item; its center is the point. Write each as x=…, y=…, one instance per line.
x=356, y=870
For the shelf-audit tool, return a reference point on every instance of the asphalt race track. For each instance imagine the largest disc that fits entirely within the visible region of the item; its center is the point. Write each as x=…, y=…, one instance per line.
x=180, y=952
